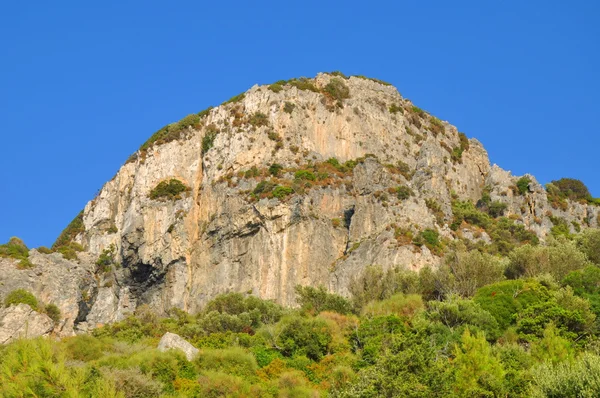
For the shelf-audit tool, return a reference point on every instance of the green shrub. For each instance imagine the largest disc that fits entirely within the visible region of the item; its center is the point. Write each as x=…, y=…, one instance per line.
x=53, y=312
x=303, y=84
x=436, y=126
x=465, y=271
x=168, y=190
x=523, y=185
x=557, y=258
x=74, y=228
x=456, y=154
x=478, y=372
x=69, y=251
x=273, y=136
x=252, y=172
x=281, y=191
x=399, y=304
x=420, y=112
x=275, y=169
x=233, y=361
x=132, y=383
x=316, y=300
x=277, y=86
x=263, y=187
x=551, y=347
x=37, y=368
x=458, y=314
x=579, y=378
x=209, y=137
x=431, y=237
x=337, y=89
x=106, y=259
x=305, y=175
x=338, y=74
x=259, y=119
x=44, y=250
x=589, y=243
x=504, y=300
x=259, y=311
x=21, y=296
x=16, y=248
x=288, y=107
x=404, y=169
x=573, y=189
x=375, y=284
x=428, y=237
x=84, y=347
x=466, y=211
x=572, y=316
x=234, y=99
x=217, y=384
x=298, y=336
x=395, y=108
x=403, y=192
x=205, y=112
x=586, y=284
x=464, y=141
x=496, y=209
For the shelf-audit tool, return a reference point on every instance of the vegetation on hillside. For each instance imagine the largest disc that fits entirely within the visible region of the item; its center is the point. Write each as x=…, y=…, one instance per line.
x=168, y=190
x=16, y=248
x=522, y=324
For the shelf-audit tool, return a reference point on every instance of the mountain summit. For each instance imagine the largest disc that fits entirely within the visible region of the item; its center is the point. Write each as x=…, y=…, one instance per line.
x=301, y=182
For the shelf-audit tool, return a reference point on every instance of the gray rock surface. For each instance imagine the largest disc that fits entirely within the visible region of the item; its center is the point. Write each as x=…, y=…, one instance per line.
x=20, y=321
x=214, y=240
x=172, y=341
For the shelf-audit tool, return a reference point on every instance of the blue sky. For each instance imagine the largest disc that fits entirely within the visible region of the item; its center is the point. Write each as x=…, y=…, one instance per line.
x=82, y=86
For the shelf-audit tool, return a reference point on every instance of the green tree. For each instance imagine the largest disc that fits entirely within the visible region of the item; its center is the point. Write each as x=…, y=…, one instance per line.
x=316, y=300
x=466, y=271
x=572, y=189
x=21, y=296
x=580, y=378
x=586, y=283
x=589, y=243
x=558, y=258
x=552, y=347
x=478, y=372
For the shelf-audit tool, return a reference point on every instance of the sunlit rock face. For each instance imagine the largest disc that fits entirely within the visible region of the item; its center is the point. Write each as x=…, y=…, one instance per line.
x=379, y=170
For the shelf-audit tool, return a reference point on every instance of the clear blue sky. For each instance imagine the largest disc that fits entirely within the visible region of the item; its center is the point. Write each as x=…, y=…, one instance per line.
x=82, y=86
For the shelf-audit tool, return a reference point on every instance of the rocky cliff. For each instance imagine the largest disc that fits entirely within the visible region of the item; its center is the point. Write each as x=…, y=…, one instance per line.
x=304, y=182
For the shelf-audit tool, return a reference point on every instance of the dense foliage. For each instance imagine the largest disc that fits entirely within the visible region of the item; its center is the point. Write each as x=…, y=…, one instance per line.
x=168, y=190
x=16, y=248
x=482, y=325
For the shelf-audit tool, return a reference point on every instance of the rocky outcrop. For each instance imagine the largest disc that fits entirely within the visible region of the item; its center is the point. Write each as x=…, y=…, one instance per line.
x=226, y=232
x=20, y=321
x=172, y=341
x=70, y=285
x=216, y=238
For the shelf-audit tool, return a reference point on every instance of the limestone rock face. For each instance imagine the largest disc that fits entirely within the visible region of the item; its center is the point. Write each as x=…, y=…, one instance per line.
x=229, y=233
x=20, y=321
x=67, y=284
x=217, y=238
x=172, y=341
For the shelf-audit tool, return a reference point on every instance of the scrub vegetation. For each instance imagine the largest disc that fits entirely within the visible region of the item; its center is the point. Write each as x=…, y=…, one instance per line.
x=522, y=324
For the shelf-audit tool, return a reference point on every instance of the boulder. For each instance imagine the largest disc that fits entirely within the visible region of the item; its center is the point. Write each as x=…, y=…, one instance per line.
x=173, y=341
x=21, y=321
